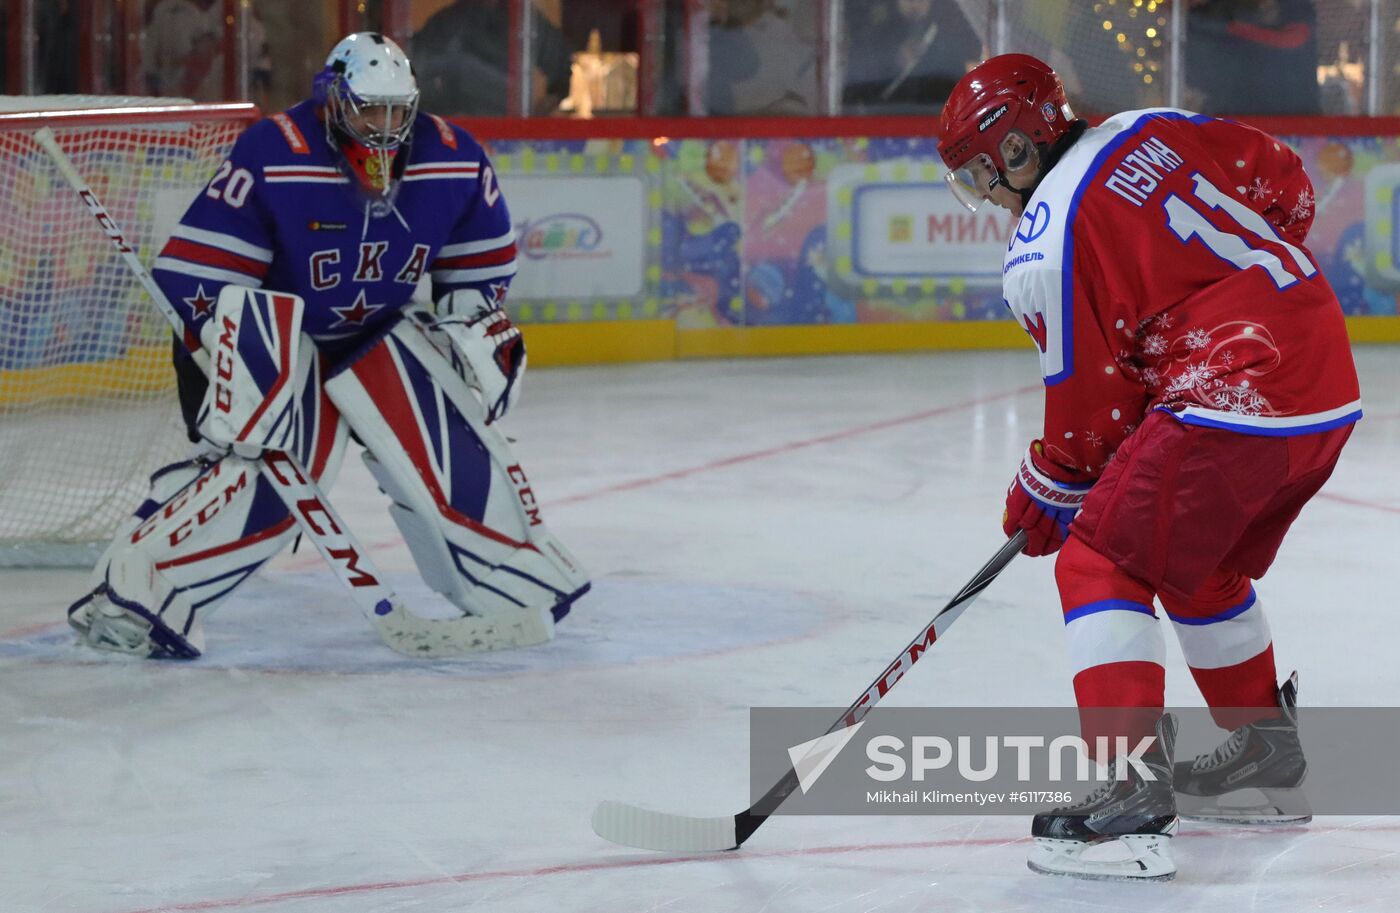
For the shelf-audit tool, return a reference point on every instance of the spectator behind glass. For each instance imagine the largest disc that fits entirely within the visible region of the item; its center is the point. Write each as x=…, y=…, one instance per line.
x=763, y=57
x=1252, y=57
x=905, y=55
x=57, y=28
x=462, y=59
x=183, y=50
x=1343, y=40
x=615, y=21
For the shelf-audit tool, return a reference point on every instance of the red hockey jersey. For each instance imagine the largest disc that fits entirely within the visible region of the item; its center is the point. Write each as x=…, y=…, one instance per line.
x=1160, y=264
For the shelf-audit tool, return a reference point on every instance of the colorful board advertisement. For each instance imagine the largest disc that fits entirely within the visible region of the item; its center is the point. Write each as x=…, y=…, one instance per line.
x=786, y=232
x=798, y=232
x=579, y=237
x=587, y=220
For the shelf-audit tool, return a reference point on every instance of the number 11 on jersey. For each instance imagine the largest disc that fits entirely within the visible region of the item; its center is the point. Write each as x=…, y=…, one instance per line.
x=1187, y=222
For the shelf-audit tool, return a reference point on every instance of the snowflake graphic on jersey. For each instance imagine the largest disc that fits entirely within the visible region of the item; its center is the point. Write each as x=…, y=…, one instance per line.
x=1241, y=400
x=1094, y=438
x=1155, y=344
x=1260, y=189
x=1151, y=377
x=1195, y=374
x=1196, y=340
x=1227, y=358
x=1303, y=208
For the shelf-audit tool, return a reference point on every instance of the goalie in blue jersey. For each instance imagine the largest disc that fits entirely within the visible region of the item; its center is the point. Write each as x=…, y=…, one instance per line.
x=346, y=201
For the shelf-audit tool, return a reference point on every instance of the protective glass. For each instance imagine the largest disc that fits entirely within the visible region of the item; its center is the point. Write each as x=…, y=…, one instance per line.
x=972, y=184
x=377, y=128
x=378, y=123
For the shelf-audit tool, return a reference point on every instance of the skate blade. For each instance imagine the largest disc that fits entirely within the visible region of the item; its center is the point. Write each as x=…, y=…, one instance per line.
x=1254, y=807
x=110, y=633
x=1149, y=858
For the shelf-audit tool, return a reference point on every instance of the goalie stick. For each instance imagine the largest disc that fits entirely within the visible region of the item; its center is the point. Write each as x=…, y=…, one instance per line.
x=400, y=629
x=631, y=825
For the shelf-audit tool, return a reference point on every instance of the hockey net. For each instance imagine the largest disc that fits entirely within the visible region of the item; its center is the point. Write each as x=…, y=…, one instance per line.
x=87, y=394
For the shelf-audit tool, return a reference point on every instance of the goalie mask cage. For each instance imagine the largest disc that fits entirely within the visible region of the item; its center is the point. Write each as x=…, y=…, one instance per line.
x=88, y=408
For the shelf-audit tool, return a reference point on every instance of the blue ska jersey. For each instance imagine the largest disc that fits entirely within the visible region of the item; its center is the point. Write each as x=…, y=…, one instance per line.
x=281, y=214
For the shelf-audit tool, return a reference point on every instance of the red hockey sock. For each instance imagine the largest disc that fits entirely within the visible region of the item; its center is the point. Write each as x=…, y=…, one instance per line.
x=1115, y=645
x=1225, y=639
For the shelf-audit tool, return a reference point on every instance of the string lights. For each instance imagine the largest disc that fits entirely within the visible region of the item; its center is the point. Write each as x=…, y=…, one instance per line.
x=1138, y=27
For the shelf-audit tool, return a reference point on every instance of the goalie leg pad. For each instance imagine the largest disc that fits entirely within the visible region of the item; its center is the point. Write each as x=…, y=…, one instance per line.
x=164, y=483
x=201, y=541
x=462, y=502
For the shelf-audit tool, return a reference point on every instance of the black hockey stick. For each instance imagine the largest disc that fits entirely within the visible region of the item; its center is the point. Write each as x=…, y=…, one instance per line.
x=631, y=825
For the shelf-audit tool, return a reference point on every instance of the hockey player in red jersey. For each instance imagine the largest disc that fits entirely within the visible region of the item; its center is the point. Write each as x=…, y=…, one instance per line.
x=1199, y=387
x=344, y=204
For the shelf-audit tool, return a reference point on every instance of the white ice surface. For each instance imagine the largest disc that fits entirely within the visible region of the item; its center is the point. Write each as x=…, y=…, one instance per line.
x=760, y=533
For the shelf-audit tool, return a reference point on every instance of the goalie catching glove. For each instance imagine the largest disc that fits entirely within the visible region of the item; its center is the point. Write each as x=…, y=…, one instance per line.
x=1041, y=503
x=487, y=345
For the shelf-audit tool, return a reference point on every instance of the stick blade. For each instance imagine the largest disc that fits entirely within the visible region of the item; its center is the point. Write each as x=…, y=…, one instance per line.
x=629, y=825
x=433, y=638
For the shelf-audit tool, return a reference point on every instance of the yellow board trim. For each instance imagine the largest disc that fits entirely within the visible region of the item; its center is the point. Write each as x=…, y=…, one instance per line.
x=615, y=342
x=731, y=342
x=1373, y=329
x=600, y=342
x=612, y=342
x=142, y=371
x=147, y=370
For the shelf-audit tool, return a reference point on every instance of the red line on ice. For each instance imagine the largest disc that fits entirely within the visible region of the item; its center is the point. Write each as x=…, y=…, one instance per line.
x=1358, y=502
x=776, y=450
x=788, y=447
x=30, y=630
x=635, y=862
x=572, y=868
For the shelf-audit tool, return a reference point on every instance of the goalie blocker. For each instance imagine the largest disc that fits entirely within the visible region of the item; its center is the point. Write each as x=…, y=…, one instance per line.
x=459, y=497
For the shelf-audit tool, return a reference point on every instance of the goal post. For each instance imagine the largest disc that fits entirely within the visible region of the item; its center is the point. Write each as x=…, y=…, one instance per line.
x=87, y=394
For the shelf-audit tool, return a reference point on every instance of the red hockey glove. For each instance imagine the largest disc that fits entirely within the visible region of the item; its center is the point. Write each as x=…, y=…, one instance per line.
x=1041, y=504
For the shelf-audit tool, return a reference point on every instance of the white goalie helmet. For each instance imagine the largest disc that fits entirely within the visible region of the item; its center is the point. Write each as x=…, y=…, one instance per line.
x=371, y=98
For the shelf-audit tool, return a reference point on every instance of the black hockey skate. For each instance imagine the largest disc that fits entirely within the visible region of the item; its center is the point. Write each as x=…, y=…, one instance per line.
x=1122, y=831
x=1254, y=777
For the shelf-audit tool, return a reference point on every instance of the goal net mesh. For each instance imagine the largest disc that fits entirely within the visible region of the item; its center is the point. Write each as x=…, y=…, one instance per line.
x=87, y=394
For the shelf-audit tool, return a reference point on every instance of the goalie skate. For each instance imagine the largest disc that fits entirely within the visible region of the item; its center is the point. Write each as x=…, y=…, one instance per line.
x=1121, y=832
x=136, y=611
x=104, y=626
x=1254, y=777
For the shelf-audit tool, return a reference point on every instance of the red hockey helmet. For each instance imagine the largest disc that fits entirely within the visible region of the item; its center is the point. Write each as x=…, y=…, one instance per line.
x=996, y=115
